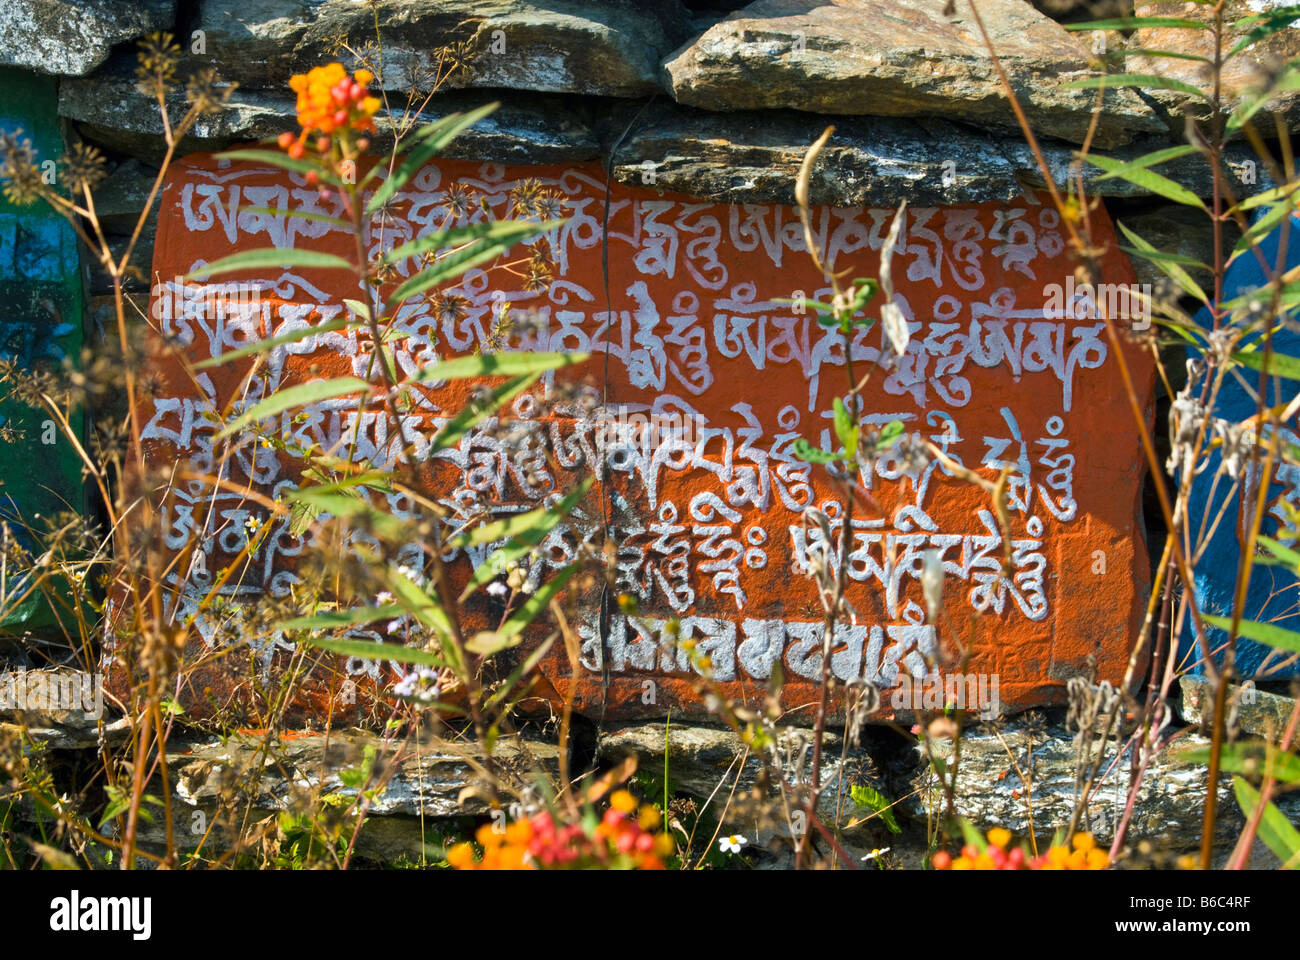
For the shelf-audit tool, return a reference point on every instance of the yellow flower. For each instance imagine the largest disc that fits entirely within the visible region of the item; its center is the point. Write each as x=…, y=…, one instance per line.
x=1083, y=841
x=461, y=856
x=648, y=817
x=623, y=801
x=519, y=833
x=999, y=837
x=489, y=837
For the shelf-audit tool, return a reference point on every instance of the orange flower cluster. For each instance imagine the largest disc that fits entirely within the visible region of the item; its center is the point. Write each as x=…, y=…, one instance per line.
x=1086, y=855
x=328, y=101
x=620, y=840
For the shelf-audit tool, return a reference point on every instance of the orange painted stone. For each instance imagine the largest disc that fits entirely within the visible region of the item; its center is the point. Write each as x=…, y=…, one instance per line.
x=1005, y=366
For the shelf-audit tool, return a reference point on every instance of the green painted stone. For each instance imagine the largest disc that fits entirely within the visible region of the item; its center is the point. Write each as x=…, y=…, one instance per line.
x=42, y=302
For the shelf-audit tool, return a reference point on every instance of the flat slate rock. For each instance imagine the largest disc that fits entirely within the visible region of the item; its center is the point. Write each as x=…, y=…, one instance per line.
x=603, y=47
x=901, y=58
x=72, y=37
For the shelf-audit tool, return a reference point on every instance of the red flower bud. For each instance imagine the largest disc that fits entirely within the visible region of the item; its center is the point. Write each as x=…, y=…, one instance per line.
x=286, y=140
x=296, y=150
x=312, y=178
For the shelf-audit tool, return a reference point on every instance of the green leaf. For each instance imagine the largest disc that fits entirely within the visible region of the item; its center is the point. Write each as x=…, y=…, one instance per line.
x=872, y=799
x=454, y=264
x=496, y=562
x=351, y=617
x=536, y=603
x=418, y=603
x=1256, y=759
x=303, y=393
x=278, y=158
x=1149, y=81
x=1281, y=554
x=348, y=506
x=806, y=451
x=511, y=526
x=889, y=433
x=475, y=413
x=496, y=365
x=1172, y=270
x=1263, y=25
x=1283, y=193
x=1274, y=828
x=1137, y=23
x=370, y=650
x=525, y=668
x=845, y=428
x=1267, y=633
x=1261, y=228
x=1254, y=100
x=262, y=346
x=972, y=836
x=1159, y=256
x=431, y=140
x=271, y=257
x=1155, y=157
x=299, y=215
x=1146, y=179
x=1280, y=365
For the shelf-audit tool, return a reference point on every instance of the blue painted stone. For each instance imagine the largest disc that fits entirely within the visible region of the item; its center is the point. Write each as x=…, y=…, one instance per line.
x=42, y=300
x=1274, y=593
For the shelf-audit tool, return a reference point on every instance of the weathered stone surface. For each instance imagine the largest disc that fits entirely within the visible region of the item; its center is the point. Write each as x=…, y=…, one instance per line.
x=754, y=157
x=72, y=38
x=430, y=779
x=1255, y=712
x=62, y=709
x=990, y=791
x=1246, y=72
x=41, y=289
x=987, y=355
x=901, y=58
x=528, y=128
x=571, y=46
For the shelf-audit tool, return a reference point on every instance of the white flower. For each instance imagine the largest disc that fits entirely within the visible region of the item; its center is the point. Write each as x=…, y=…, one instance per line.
x=732, y=844
x=497, y=589
x=879, y=851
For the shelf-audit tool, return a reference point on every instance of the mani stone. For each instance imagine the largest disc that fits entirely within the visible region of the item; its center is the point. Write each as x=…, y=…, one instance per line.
x=42, y=290
x=997, y=367
x=902, y=58
x=72, y=38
